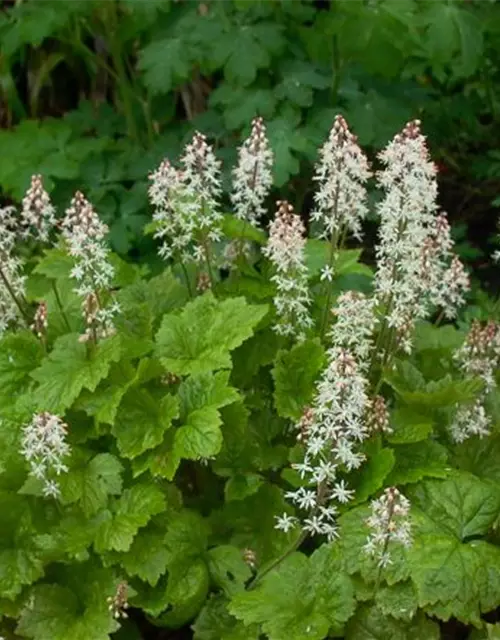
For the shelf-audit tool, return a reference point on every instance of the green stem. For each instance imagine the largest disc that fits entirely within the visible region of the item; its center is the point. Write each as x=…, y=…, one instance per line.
x=331, y=259
x=16, y=300
x=60, y=306
x=186, y=276
x=293, y=547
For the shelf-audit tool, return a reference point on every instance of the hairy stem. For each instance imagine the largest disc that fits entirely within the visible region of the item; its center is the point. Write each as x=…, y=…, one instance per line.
x=60, y=306
x=16, y=300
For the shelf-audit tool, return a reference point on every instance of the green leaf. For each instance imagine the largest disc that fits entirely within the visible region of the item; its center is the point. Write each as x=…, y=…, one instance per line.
x=205, y=391
x=20, y=353
x=238, y=229
x=227, y=569
x=398, y=600
x=69, y=368
x=480, y=456
x=295, y=374
x=302, y=598
x=408, y=426
x=250, y=51
x=21, y=557
x=352, y=538
x=370, y=477
x=148, y=556
x=240, y=486
x=200, y=436
x=216, y=623
x=286, y=139
x=55, y=264
x=78, y=611
x=130, y=512
x=346, y=261
x=370, y=623
x=142, y=420
x=417, y=461
x=201, y=337
x=186, y=593
x=91, y=483
x=164, y=64
x=455, y=572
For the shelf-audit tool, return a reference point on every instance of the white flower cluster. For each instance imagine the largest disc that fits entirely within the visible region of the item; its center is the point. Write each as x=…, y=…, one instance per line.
x=354, y=325
x=415, y=266
x=341, y=174
x=252, y=177
x=186, y=202
x=479, y=356
x=201, y=181
x=85, y=237
x=37, y=214
x=174, y=224
x=389, y=522
x=285, y=249
x=442, y=275
x=11, y=278
x=44, y=447
x=335, y=425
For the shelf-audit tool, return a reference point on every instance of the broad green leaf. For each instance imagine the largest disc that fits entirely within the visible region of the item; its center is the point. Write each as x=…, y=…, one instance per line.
x=91, y=482
x=480, y=456
x=408, y=426
x=302, y=598
x=370, y=623
x=205, y=391
x=21, y=556
x=129, y=513
x=200, y=436
x=259, y=534
x=370, y=477
x=345, y=261
x=148, y=556
x=295, y=374
x=238, y=229
x=240, y=486
x=69, y=368
x=444, y=339
x=418, y=460
x=161, y=294
x=454, y=571
x=186, y=593
x=250, y=51
x=216, y=623
x=164, y=64
x=287, y=140
x=227, y=569
x=398, y=600
x=55, y=264
x=78, y=611
x=353, y=534
x=201, y=337
x=142, y=420
x=20, y=353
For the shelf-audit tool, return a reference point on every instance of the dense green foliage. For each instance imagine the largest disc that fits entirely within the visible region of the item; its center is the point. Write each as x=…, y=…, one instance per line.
x=179, y=427
x=95, y=93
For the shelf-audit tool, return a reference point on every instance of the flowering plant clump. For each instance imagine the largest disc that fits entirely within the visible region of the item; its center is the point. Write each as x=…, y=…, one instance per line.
x=263, y=438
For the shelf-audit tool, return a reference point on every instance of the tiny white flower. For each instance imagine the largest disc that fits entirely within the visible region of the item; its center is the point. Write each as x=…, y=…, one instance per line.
x=327, y=273
x=285, y=522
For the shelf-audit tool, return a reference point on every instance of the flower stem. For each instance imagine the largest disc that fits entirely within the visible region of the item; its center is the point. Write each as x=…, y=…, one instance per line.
x=16, y=300
x=331, y=259
x=60, y=306
x=293, y=547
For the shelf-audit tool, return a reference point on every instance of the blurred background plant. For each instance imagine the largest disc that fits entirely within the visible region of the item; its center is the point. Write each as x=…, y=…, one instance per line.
x=93, y=94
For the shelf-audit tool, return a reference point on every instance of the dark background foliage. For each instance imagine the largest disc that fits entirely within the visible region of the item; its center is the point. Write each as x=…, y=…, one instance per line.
x=94, y=93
